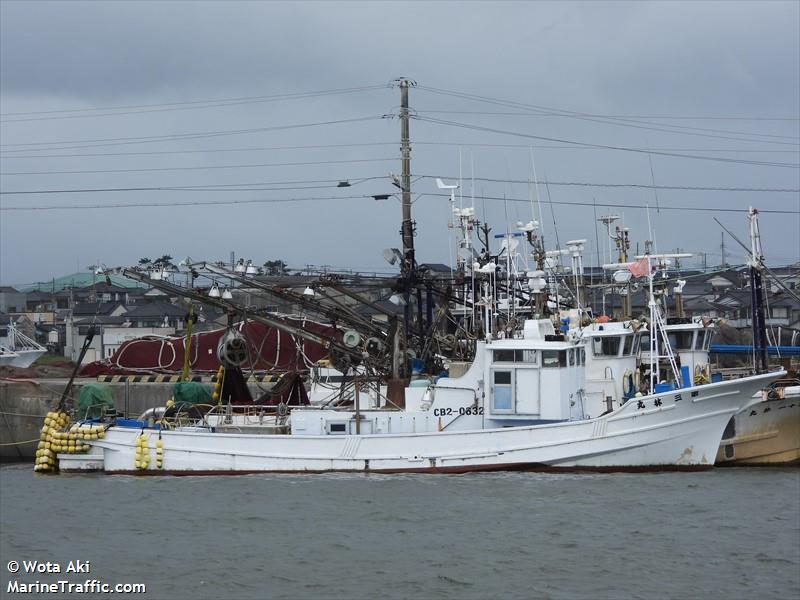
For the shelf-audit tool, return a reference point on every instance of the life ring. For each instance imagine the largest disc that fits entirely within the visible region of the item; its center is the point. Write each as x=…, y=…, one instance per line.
x=628, y=386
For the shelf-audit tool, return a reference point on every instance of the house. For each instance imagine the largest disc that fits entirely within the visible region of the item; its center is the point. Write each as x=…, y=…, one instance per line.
x=79, y=280
x=5, y=321
x=789, y=276
x=114, y=324
x=781, y=310
x=11, y=300
x=22, y=324
x=104, y=309
x=40, y=301
x=162, y=315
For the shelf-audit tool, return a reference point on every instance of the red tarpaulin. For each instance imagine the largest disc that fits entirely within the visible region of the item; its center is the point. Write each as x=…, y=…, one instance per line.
x=269, y=349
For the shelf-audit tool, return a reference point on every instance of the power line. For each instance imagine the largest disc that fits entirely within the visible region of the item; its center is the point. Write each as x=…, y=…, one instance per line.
x=542, y=114
x=179, y=203
x=605, y=146
x=246, y=187
x=683, y=118
x=214, y=187
x=204, y=168
x=209, y=150
x=180, y=136
x=169, y=106
x=625, y=122
x=628, y=185
x=675, y=128
x=363, y=144
x=321, y=198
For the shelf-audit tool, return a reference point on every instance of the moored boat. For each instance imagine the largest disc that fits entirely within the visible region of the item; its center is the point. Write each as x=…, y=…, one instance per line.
x=21, y=351
x=766, y=433
x=519, y=406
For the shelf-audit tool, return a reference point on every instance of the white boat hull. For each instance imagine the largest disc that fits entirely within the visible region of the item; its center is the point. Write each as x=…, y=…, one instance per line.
x=21, y=359
x=680, y=429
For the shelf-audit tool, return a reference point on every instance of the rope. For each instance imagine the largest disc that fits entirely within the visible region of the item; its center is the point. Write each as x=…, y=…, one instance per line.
x=22, y=415
x=20, y=443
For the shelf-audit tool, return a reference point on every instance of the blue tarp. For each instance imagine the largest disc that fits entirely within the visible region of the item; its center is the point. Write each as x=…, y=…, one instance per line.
x=741, y=349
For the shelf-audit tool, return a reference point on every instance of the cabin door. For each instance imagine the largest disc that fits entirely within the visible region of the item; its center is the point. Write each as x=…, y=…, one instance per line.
x=503, y=391
x=528, y=398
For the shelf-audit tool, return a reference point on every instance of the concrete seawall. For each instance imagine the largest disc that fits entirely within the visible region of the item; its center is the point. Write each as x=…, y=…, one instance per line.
x=23, y=405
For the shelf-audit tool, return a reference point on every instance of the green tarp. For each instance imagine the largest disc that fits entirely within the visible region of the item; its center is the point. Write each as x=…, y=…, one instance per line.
x=192, y=392
x=94, y=397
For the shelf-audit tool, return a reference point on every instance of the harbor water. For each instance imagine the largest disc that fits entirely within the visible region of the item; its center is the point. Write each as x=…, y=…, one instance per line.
x=726, y=533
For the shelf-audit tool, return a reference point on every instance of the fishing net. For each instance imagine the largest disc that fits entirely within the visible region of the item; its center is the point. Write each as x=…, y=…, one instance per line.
x=192, y=392
x=93, y=398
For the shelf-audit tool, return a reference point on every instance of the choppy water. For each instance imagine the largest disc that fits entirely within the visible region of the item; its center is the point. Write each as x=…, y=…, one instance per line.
x=728, y=533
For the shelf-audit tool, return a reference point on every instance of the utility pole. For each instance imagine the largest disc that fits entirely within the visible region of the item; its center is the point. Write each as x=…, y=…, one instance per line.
x=408, y=266
x=722, y=250
x=407, y=228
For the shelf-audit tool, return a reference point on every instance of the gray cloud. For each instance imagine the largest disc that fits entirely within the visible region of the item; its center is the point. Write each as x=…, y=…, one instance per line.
x=660, y=58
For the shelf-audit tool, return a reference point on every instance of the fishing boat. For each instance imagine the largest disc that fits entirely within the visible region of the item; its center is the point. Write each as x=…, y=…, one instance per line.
x=21, y=351
x=766, y=433
x=520, y=405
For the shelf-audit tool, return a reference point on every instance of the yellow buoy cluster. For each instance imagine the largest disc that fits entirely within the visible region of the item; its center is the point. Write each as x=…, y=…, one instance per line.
x=215, y=395
x=142, y=453
x=55, y=438
x=159, y=453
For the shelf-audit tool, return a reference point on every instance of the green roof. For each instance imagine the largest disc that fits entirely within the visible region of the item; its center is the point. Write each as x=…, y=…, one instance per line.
x=77, y=280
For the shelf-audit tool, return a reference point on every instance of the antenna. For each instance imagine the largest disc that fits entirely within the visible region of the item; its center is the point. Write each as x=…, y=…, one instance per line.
x=536, y=190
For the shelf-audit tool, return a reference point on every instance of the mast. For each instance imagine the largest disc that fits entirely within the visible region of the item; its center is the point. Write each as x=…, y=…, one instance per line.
x=758, y=321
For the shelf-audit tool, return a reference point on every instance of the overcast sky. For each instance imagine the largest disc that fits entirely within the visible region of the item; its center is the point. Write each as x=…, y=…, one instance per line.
x=712, y=90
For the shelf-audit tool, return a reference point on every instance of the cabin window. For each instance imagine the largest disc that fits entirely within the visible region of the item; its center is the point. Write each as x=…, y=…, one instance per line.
x=503, y=356
x=503, y=394
x=644, y=341
x=636, y=344
x=530, y=356
x=628, y=345
x=520, y=356
x=704, y=339
x=337, y=428
x=581, y=353
x=606, y=345
x=681, y=340
x=554, y=358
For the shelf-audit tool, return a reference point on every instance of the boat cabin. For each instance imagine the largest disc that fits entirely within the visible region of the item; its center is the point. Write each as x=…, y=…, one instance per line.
x=612, y=356
x=690, y=341
x=538, y=377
